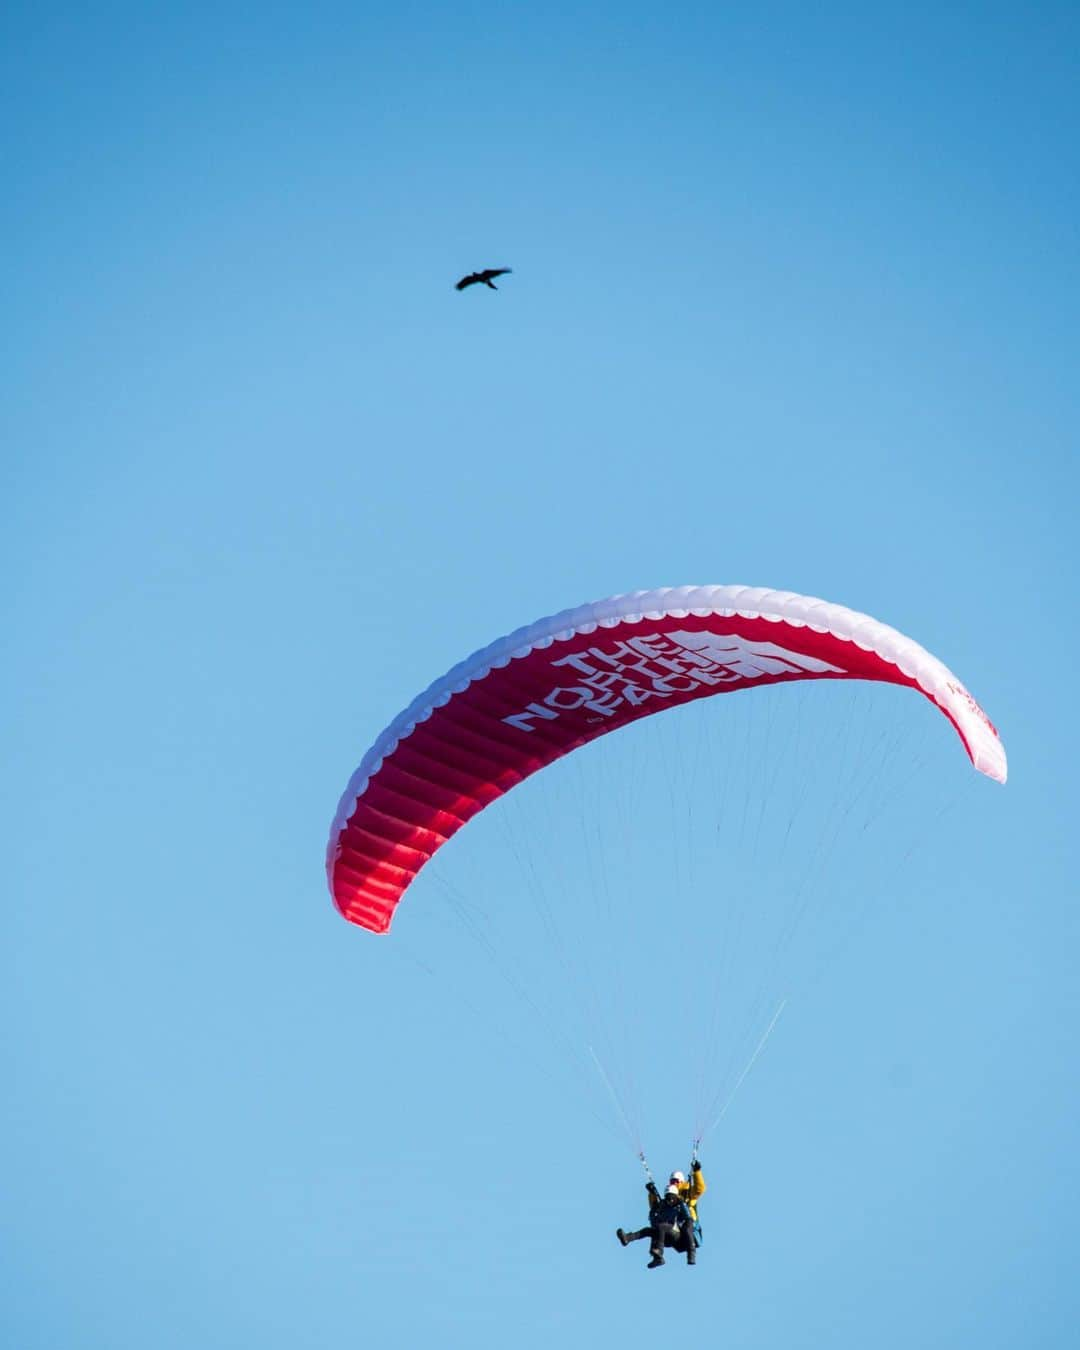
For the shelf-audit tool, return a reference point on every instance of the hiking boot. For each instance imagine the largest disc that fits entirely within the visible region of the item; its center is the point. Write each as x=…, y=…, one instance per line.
x=656, y=1261
x=622, y=1236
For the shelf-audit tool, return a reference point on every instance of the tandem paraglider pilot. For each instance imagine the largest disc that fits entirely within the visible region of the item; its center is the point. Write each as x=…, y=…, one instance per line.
x=673, y=1219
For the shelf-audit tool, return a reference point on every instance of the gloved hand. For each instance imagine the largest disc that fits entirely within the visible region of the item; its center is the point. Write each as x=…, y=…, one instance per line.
x=650, y=1186
x=695, y=1166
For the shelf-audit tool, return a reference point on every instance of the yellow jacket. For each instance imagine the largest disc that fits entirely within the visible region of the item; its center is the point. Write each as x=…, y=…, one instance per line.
x=691, y=1191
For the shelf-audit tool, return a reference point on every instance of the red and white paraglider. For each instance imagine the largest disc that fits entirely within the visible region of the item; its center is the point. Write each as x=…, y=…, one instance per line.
x=526, y=700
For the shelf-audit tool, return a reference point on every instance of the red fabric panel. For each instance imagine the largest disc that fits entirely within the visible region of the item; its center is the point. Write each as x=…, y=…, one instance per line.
x=467, y=753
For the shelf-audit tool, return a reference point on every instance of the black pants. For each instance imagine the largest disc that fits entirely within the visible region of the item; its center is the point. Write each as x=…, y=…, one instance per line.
x=661, y=1235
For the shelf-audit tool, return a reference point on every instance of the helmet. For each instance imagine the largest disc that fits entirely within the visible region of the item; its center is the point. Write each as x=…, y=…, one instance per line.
x=678, y=1177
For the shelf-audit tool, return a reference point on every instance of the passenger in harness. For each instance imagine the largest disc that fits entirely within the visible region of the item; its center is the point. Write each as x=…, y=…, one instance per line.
x=673, y=1220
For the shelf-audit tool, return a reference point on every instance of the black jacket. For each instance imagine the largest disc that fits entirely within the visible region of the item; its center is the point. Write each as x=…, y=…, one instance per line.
x=667, y=1208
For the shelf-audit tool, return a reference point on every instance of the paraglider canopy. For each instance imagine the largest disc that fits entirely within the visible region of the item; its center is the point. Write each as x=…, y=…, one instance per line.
x=524, y=701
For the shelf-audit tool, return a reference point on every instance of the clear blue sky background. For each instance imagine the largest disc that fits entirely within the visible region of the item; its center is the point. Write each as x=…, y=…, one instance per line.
x=794, y=303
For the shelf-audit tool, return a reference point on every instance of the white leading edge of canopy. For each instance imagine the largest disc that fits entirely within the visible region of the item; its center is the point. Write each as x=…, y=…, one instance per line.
x=749, y=602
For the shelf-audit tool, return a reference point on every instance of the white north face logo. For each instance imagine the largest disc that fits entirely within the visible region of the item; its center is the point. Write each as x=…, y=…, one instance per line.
x=604, y=680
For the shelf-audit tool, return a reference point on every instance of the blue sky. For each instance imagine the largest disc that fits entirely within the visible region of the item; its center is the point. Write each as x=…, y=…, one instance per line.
x=794, y=303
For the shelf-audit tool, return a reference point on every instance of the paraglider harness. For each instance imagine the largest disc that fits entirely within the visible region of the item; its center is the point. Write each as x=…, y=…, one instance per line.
x=694, y=1223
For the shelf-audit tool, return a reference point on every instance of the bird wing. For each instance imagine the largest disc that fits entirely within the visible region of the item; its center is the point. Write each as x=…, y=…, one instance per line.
x=490, y=272
x=470, y=280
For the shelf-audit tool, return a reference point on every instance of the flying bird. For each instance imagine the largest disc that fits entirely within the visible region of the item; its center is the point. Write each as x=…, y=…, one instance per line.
x=485, y=276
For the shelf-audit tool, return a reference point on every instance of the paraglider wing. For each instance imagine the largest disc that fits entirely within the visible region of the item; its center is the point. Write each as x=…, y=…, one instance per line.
x=546, y=689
